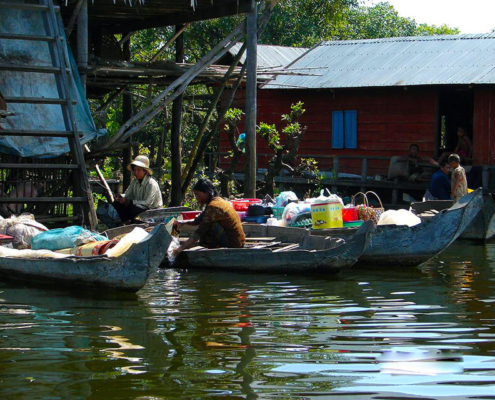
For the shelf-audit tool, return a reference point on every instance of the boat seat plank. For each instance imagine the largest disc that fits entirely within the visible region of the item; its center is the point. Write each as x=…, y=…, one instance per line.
x=287, y=248
x=260, y=239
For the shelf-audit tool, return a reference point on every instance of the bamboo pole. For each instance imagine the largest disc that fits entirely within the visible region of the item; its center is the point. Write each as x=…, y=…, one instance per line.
x=213, y=130
x=169, y=42
x=176, y=88
x=210, y=111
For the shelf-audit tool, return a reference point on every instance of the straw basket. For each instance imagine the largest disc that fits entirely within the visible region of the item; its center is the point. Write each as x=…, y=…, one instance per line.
x=365, y=211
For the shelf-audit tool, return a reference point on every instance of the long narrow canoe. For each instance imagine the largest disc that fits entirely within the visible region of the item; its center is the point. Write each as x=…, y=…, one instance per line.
x=128, y=272
x=483, y=225
x=398, y=245
x=284, y=252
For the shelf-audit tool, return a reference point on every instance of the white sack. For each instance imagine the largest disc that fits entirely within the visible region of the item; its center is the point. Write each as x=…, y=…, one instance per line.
x=398, y=217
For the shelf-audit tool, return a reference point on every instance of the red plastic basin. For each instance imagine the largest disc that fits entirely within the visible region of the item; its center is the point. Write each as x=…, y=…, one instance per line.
x=243, y=204
x=187, y=215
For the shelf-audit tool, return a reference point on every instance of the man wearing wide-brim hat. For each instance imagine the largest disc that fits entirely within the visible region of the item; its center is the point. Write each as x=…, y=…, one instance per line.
x=142, y=194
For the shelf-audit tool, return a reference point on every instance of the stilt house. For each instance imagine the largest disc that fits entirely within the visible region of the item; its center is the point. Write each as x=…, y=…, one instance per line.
x=45, y=119
x=369, y=100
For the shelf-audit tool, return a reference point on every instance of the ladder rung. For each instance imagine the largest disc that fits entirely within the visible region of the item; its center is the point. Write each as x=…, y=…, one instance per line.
x=31, y=68
x=17, y=36
x=38, y=166
x=36, y=100
x=23, y=6
x=12, y=132
x=43, y=200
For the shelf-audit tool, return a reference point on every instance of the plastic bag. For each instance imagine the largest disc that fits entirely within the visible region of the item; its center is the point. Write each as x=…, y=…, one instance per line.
x=22, y=228
x=57, y=239
x=293, y=210
x=284, y=198
x=398, y=217
x=174, y=244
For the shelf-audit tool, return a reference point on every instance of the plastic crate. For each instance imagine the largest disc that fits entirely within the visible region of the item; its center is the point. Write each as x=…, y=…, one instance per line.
x=278, y=212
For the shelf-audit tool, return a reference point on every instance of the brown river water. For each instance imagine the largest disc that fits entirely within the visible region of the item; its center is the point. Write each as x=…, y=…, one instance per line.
x=426, y=332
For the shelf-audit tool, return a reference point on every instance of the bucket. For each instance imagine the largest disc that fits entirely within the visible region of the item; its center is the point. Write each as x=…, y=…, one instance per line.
x=327, y=215
x=349, y=214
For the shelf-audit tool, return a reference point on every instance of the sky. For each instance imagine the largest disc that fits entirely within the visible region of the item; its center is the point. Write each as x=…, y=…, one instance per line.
x=469, y=16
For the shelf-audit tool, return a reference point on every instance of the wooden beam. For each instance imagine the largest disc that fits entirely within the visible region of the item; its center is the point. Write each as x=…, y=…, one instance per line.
x=171, y=19
x=251, y=104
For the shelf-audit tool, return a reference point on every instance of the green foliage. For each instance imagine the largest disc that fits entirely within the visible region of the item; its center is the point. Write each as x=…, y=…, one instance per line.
x=381, y=21
x=292, y=130
x=271, y=135
x=296, y=110
x=233, y=115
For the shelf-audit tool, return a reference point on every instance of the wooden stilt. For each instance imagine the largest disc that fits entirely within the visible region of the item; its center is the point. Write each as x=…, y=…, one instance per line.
x=175, y=142
x=251, y=86
x=82, y=42
x=126, y=116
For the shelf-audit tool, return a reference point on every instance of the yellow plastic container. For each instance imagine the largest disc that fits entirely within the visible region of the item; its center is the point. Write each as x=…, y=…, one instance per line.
x=327, y=215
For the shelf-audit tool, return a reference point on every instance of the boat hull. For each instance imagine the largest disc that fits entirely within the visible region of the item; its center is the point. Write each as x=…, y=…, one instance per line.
x=128, y=273
x=483, y=225
x=301, y=260
x=393, y=245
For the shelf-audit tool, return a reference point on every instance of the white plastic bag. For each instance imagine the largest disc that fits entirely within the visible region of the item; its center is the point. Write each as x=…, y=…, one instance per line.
x=284, y=198
x=293, y=210
x=399, y=217
x=174, y=244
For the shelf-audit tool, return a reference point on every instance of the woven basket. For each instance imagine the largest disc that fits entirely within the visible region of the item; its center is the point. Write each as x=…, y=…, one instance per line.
x=365, y=211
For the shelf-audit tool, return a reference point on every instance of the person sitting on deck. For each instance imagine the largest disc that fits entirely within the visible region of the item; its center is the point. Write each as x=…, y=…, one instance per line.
x=440, y=182
x=218, y=225
x=417, y=173
x=142, y=194
x=459, y=181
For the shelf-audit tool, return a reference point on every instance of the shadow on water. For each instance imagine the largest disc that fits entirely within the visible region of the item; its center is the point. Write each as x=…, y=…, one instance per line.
x=425, y=332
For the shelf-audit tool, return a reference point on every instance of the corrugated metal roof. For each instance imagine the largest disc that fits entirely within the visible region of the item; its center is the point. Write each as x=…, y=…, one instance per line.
x=272, y=56
x=404, y=61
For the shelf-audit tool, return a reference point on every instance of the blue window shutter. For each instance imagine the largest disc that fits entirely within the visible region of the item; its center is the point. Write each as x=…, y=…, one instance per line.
x=350, y=129
x=337, y=130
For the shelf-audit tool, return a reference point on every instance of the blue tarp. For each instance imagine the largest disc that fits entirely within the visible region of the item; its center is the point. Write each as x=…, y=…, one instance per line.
x=29, y=84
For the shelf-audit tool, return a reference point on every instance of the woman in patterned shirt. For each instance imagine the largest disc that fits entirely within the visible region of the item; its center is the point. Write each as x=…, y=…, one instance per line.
x=218, y=225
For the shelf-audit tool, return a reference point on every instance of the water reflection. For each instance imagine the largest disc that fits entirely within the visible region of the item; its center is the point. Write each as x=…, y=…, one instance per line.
x=426, y=332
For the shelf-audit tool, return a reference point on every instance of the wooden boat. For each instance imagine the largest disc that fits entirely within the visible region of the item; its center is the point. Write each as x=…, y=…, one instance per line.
x=128, y=272
x=483, y=225
x=275, y=249
x=397, y=245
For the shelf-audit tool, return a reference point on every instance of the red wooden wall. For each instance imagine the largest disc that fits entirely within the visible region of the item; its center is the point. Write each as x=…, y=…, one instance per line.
x=388, y=121
x=484, y=126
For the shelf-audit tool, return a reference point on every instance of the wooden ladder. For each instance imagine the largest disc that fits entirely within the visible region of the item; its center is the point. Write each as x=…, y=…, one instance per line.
x=82, y=199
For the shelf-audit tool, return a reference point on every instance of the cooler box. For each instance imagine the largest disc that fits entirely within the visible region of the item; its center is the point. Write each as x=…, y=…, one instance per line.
x=327, y=215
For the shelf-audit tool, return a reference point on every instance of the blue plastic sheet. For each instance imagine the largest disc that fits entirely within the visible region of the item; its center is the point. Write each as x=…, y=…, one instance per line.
x=29, y=84
x=64, y=238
